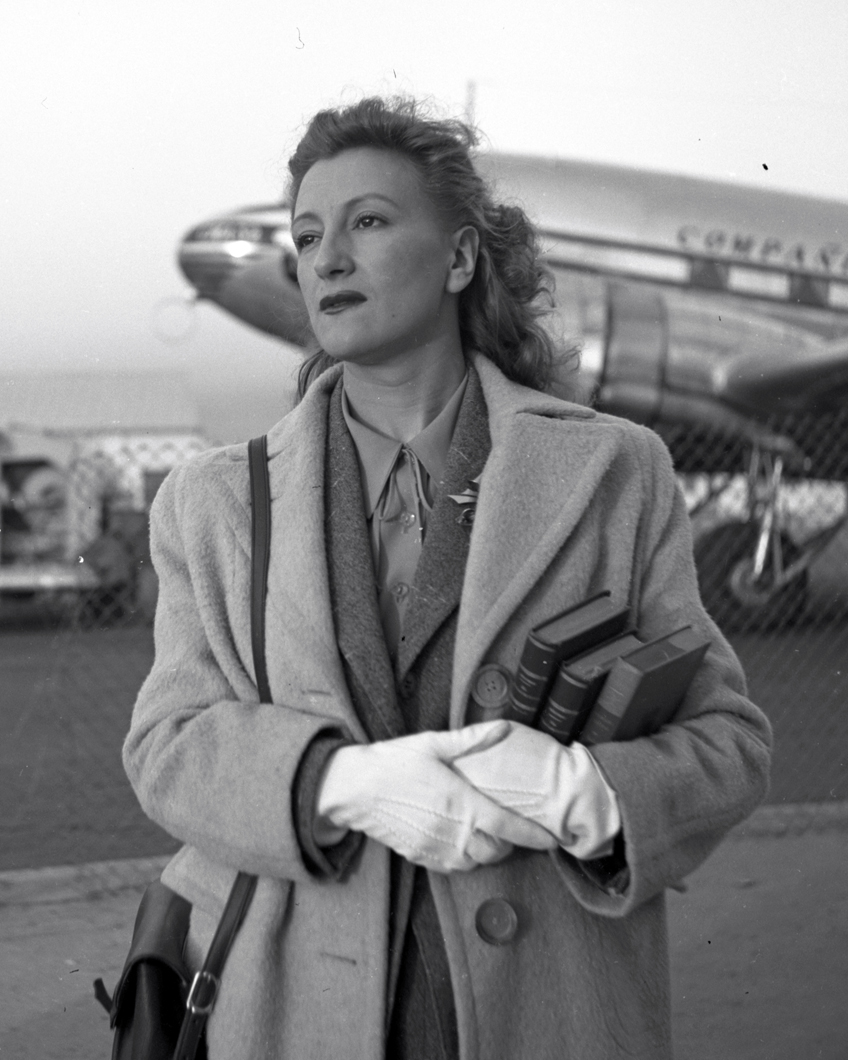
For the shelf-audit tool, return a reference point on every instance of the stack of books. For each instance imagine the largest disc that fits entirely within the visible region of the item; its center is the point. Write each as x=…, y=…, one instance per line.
x=587, y=674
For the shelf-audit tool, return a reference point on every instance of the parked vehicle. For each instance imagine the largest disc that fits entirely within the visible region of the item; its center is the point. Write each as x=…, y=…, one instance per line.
x=73, y=521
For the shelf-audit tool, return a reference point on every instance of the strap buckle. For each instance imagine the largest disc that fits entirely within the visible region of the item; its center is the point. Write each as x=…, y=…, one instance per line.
x=205, y=984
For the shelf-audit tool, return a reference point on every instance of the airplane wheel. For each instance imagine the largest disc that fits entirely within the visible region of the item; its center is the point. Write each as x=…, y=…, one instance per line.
x=724, y=558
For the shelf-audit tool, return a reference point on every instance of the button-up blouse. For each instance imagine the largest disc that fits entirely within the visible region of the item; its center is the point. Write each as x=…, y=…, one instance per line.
x=400, y=481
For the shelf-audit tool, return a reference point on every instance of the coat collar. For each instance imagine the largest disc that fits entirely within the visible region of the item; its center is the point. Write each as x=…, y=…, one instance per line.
x=352, y=590
x=438, y=580
x=547, y=460
x=377, y=453
x=299, y=609
x=440, y=574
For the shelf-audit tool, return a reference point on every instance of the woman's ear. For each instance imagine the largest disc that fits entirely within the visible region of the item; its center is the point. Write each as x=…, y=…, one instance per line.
x=466, y=243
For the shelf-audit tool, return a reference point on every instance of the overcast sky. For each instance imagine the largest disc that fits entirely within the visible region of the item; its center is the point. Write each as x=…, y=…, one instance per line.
x=123, y=124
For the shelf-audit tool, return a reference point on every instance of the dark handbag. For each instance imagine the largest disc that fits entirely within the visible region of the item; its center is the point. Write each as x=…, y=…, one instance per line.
x=159, y=1011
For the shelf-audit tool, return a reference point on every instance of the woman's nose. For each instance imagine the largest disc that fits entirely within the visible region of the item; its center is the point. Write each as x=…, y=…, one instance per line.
x=333, y=257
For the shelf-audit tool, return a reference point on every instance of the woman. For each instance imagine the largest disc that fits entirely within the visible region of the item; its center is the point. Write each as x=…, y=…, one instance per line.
x=429, y=887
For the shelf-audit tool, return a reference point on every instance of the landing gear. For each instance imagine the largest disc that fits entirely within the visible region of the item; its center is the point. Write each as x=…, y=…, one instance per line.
x=732, y=592
x=750, y=573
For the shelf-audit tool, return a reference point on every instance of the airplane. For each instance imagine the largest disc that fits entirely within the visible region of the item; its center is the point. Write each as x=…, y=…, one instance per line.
x=715, y=313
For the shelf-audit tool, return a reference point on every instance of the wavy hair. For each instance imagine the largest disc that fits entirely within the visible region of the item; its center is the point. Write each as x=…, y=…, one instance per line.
x=502, y=308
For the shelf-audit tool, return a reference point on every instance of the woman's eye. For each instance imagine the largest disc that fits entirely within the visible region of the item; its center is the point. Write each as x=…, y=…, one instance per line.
x=303, y=241
x=367, y=220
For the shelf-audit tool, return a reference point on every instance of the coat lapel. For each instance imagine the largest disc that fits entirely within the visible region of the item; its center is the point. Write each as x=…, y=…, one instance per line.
x=546, y=462
x=441, y=568
x=548, y=458
x=352, y=588
x=304, y=665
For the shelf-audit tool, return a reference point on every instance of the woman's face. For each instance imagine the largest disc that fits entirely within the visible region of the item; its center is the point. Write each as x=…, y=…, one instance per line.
x=376, y=266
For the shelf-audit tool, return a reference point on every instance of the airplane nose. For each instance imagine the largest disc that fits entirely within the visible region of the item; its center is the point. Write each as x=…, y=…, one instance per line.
x=246, y=263
x=206, y=268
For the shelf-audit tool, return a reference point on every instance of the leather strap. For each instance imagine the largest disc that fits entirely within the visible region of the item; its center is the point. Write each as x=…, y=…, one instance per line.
x=260, y=495
x=204, y=988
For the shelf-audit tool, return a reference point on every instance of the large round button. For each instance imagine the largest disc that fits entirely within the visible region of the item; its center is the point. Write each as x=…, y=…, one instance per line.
x=496, y=922
x=490, y=689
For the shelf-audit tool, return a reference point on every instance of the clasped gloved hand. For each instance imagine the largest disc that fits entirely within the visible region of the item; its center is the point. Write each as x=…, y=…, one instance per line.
x=560, y=788
x=404, y=793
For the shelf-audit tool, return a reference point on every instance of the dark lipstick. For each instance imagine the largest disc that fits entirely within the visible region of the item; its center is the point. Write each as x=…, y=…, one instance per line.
x=340, y=299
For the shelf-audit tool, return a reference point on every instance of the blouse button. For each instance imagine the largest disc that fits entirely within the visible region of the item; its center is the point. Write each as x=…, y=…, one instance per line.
x=408, y=686
x=496, y=922
x=400, y=591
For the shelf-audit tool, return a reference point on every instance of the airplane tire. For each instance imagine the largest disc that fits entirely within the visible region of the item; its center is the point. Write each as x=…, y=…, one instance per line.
x=724, y=560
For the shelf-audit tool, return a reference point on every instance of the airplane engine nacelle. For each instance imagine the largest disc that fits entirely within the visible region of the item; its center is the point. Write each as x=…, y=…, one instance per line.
x=635, y=355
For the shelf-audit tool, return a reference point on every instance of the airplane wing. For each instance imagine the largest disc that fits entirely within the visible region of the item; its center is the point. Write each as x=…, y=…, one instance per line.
x=811, y=379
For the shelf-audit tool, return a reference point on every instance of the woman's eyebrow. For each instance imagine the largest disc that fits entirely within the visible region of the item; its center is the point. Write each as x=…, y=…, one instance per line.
x=350, y=204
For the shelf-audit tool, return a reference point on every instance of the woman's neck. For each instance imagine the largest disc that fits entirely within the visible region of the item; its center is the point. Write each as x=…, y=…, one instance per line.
x=401, y=399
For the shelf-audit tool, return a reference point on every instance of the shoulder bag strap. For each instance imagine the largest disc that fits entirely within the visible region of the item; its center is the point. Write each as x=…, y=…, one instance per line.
x=204, y=987
x=260, y=495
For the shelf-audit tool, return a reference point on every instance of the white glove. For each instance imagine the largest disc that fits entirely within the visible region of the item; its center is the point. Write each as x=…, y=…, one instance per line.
x=403, y=793
x=560, y=788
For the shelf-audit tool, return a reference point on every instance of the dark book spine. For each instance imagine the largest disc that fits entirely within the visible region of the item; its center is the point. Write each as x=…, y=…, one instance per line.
x=568, y=701
x=595, y=634
x=531, y=681
x=612, y=703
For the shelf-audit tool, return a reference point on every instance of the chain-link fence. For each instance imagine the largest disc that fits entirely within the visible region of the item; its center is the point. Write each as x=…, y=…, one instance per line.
x=771, y=544
x=770, y=522
x=73, y=539
x=77, y=595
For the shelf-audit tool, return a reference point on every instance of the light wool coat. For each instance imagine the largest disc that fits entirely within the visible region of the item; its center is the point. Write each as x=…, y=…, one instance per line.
x=570, y=502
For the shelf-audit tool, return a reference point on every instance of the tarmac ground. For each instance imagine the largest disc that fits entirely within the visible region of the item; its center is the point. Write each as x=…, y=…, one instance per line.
x=759, y=940
x=759, y=946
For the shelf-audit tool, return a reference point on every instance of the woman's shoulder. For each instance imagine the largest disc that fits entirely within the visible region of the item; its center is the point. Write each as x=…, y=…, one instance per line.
x=636, y=443
x=220, y=464
x=207, y=486
x=506, y=399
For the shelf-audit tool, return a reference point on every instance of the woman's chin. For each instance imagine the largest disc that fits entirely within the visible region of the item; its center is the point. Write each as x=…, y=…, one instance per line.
x=343, y=346
x=392, y=350
x=351, y=353
x=346, y=355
